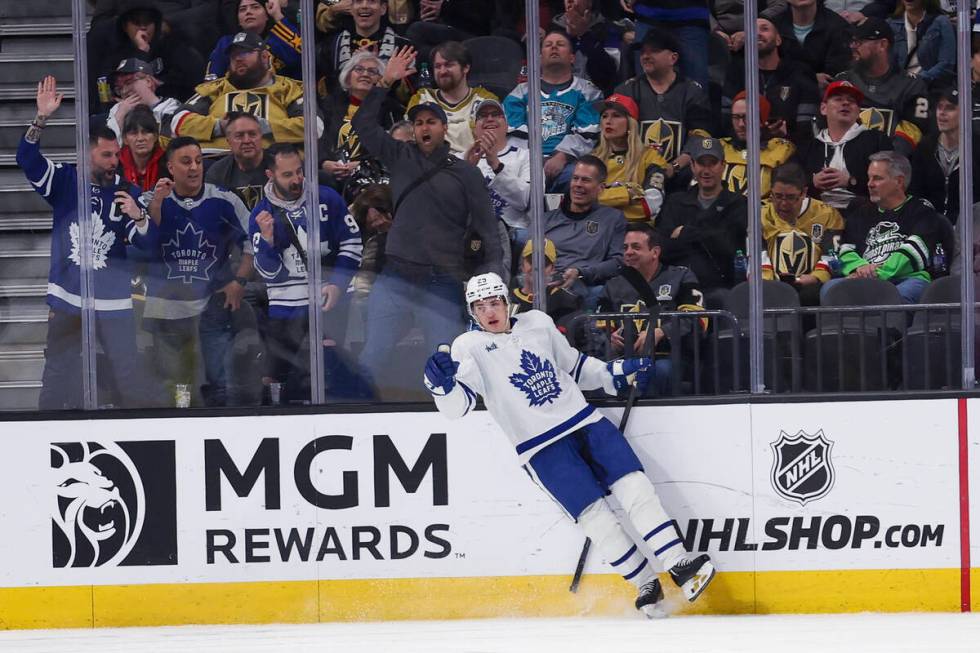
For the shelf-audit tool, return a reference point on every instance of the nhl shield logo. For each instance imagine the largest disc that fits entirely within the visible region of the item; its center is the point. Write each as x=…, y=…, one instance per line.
x=801, y=467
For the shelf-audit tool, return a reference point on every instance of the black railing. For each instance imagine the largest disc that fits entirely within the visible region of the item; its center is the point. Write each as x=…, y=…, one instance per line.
x=807, y=350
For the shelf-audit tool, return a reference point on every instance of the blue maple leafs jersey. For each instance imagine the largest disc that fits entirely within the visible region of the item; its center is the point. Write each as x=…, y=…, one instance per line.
x=531, y=381
x=190, y=251
x=56, y=183
x=281, y=266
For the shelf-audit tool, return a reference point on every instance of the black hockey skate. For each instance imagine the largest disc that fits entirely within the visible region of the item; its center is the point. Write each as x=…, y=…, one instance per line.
x=692, y=575
x=650, y=600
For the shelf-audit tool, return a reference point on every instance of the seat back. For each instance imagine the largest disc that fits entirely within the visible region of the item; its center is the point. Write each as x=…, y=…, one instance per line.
x=775, y=294
x=865, y=292
x=945, y=290
x=496, y=63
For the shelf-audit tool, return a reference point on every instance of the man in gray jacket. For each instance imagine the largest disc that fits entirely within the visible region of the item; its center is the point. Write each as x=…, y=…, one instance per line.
x=442, y=208
x=588, y=235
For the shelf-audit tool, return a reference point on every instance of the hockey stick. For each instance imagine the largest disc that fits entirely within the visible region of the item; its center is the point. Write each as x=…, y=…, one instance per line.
x=642, y=288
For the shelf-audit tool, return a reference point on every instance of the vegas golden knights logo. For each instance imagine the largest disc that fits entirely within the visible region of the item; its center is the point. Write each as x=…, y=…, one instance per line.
x=256, y=104
x=793, y=254
x=877, y=118
x=639, y=307
x=347, y=140
x=249, y=195
x=734, y=177
x=665, y=135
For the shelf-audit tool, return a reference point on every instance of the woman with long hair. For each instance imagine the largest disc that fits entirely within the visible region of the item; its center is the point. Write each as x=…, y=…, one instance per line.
x=635, y=182
x=925, y=42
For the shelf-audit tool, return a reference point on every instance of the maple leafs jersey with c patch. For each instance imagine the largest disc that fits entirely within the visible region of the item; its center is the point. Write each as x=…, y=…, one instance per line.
x=56, y=183
x=531, y=380
x=281, y=265
x=190, y=250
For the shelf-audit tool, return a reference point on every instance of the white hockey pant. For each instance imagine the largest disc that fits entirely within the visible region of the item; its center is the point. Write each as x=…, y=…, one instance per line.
x=638, y=498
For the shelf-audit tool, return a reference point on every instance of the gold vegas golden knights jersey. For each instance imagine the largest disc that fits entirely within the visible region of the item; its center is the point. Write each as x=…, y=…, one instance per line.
x=279, y=104
x=797, y=249
x=775, y=152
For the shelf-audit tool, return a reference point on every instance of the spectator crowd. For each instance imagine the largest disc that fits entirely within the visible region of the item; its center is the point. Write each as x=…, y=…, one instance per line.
x=197, y=148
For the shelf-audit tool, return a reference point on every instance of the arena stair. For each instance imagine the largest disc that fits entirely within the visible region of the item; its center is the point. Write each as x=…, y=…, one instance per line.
x=35, y=40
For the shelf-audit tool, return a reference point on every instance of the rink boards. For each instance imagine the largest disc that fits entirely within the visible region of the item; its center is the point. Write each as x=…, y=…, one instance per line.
x=806, y=507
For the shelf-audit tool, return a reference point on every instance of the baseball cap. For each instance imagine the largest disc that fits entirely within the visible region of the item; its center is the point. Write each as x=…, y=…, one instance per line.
x=619, y=102
x=137, y=65
x=843, y=86
x=550, y=253
x=489, y=102
x=765, y=108
x=949, y=93
x=873, y=29
x=246, y=41
x=657, y=39
x=428, y=106
x=699, y=147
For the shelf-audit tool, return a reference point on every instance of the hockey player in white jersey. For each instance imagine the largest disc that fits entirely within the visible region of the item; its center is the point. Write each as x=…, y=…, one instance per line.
x=531, y=381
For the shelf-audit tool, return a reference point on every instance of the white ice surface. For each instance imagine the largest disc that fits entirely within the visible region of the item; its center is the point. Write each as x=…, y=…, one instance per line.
x=867, y=633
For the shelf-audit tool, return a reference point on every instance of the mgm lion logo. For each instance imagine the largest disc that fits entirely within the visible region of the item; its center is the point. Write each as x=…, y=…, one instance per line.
x=100, y=504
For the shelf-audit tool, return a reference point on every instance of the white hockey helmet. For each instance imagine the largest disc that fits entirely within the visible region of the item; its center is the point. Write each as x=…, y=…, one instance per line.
x=485, y=286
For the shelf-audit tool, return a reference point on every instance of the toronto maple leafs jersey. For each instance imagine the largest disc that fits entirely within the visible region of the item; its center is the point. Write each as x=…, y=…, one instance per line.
x=531, y=381
x=190, y=250
x=282, y=266
x=56, y=183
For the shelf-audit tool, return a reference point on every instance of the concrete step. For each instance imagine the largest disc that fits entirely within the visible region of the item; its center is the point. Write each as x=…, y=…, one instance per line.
x=33, y=221
x=21, y=199
x=23, y=110
x=21, y=363
x=25, y=240
x=23, y=91
x=29, y=264
x=33, y=45
x=24, y=328
x=32, y=26
x=59, y=134
x=23, y=309
x=54, y=10
x=29, y=68
x=21, y=288
x=19, y=395
x=56, y=154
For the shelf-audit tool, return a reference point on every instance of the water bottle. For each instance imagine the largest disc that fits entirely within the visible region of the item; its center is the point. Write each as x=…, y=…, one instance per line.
x=741, y=266
x=939, y=268
x=833, y=262
x=425, y=77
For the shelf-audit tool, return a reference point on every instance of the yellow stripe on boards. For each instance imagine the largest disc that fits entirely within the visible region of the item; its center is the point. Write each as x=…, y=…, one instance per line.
x=859, y=590
x=45, y=607
x=975, y=589
x=205, y=603
x=884, y=590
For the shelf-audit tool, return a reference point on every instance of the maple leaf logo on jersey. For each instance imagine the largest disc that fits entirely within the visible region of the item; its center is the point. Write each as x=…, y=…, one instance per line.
x=189, y=255
x=538, y=381
x=102, y=242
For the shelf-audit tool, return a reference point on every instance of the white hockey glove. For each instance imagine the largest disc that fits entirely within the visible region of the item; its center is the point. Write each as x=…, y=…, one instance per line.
x=629, y=371
x=440, y=372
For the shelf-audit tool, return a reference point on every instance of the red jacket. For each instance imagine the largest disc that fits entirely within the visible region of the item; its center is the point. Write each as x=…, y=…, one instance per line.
x=150, y=176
